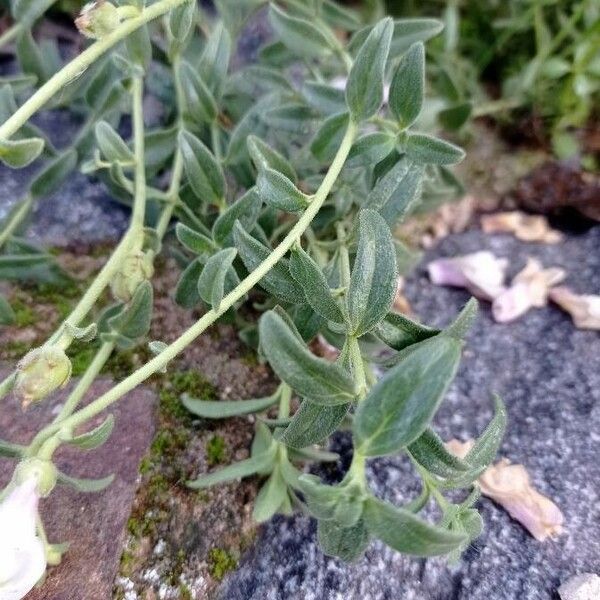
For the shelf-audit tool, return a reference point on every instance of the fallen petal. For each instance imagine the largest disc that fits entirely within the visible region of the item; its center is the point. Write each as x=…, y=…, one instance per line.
x=581, y=587
x=584, y=309
x=528, y=228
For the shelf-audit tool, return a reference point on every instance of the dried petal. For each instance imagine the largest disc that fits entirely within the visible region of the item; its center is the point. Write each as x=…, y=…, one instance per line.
x=401, y=304
x=529, y=288
x=97, y=19
x=585, y=586
x=481, y=273
x=583, y=308
x=510, y=486
x=137, y=267
x=529, y=228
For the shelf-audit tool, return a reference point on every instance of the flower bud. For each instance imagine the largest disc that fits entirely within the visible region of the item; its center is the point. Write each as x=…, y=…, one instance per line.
x=136, y=268
x=22, y=552
x=97, y=19
x=42, y=471
x=40, y=372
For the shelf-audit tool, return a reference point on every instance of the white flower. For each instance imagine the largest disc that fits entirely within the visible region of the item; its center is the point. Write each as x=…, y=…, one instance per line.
x=481, y=273
x=22, y=553
x=583, y=308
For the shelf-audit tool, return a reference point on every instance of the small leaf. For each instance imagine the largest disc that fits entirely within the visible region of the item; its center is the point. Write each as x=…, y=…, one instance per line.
x=399, y=332
x=7, y=314
x=340, y=17
x=312, y=377
x=19, y=153
x=373, y=281
x=370, y=148
x=301, y=36
x=408, y=86
x=346, y=543
x=464, y=321
x=202, y=169
x=87, y=486
x=51, y=177
x=193, y=240
x=402, y=403
x=329, y=136
x=134, y=320
x=406, y=533
x=325, y=98
x=278, y=280
x=270, y=497
x=320, y=499
x=186, y=292
x=486, y=446
x=222, y=409
x=112, y=146
x=83, y=334
x=218, y=277
x=427, y=150
x=430, y=452
x=139, y=47
x=181, y=23
x=293, y=117
x=95, y=437
x=455, y=117
x=277, y=190
x=266, y=157
x=364, y=89
x=214, y=60
x=200, y=103
x=316, y=289
x=312, y=423
x=244, y=468
x=245, y=209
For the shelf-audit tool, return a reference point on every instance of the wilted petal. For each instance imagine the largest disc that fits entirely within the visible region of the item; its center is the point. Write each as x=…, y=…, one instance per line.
x=529, y=288
x=585, y=586
x=458, y=448
x=481, y=273
x=584, y=309
x=529, y=228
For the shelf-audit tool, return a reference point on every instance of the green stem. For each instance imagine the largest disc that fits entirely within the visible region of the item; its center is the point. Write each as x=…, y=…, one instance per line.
x=215, y=140
x=358, y=366
x=162, y=359
x=139, y=198
x=79, y=64
x=15, y=219
x=285, y=397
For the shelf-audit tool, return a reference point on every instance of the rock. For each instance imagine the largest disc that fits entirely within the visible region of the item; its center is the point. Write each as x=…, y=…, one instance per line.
x=94, y=524
x=581, y=587
x=547, y=373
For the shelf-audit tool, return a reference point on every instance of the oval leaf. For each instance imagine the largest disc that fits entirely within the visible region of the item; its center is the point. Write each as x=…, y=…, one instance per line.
x=408, y=86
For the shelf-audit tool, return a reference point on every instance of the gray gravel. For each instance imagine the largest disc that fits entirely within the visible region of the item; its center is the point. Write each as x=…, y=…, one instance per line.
x=548, y=374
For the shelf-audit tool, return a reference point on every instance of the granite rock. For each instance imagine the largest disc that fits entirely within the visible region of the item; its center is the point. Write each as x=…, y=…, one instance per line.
x=548, y=374
x=93, y=524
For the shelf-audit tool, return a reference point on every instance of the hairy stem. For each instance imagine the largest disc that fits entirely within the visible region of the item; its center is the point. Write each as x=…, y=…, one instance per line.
x=162, y=359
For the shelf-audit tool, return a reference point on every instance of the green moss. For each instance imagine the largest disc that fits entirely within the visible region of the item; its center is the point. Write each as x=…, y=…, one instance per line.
x=180, y=382
x=220, y=562
x=216, y=450
x=81, y=355
x=24, y=314
x=184, y=592
x=250, y=359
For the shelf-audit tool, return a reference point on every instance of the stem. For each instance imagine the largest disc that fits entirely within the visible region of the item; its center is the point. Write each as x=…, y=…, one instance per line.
x=139, y=198
x=284, y=401
x=86, y=380
x=358, y=366
x=79, y=64
x=162, y=359
x=216, y=143
x=16, y=219
x=10, y=34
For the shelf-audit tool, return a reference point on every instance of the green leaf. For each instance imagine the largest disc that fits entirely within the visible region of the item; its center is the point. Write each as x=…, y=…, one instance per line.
x=292, y=117
x=194, y=241
x=112, y=146
x=464, y=321
x=202, y=169
x=270, y=497
x=428, y=150
x=266, y=157
x=218, y=277
x=316, y=289
x=214, y=60
x=312, y=377
x=374, y=276
x=181, y=23
x=486, y=446
x=7, y=314
x=402, y=403
x=406, y=533
x=301, y=36
x=327, y=140
x=346, y=543
x=200, y=103
x=340, y=17
x=51, y=177
x=246, y=209
x=19, y=153
x=95, y=437
x=325, y=98
x=21, y=266
x=278, y=280
x=28, y=11
x=455, y=117
x=370, y=148
x=87, y=486
x=278, y=191
x=139, y=47
x=312, y=423
x=83, y=334
x=223, y=409
x=408, y=86
x=320, y=499
x=399, y=332
x=395, y=194
x=364, y=89
x=430, y=452
x=244, y=468
x=10, y=450
x=134, y=320
x=186, y=292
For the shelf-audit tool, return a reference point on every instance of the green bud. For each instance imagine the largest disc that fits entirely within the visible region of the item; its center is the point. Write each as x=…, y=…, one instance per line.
x=40, y=372
x=136, y=268
x=43, y=471
x=97, y=19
